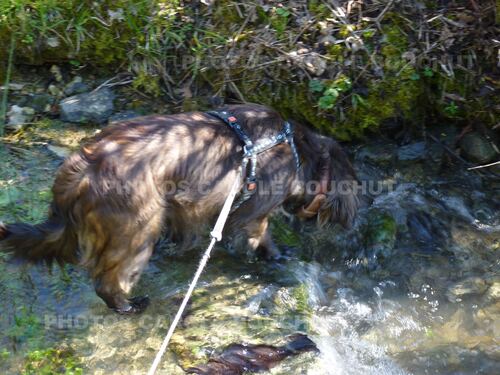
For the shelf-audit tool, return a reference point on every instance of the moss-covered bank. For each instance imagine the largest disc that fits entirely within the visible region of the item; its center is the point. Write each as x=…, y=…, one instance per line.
x=345, y=68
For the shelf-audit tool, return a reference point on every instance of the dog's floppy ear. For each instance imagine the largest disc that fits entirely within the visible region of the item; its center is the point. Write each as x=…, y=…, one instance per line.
x=342, y=201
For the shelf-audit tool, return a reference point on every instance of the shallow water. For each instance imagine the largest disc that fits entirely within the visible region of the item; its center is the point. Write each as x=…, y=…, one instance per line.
x=413, y=288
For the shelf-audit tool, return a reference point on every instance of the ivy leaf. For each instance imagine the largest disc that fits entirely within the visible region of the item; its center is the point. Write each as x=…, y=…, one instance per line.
x=315, y=85
x=326, y=102
x=331, y=92
x=283, y=12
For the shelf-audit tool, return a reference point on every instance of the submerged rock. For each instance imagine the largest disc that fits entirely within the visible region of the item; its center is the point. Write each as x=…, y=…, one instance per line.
x=470, y=286
x=237, y=359
x=380, y=234
x=413, y=151
x=93, y=106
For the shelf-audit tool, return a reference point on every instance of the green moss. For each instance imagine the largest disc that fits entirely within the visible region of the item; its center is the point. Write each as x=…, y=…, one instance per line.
x=301, y=296
x=283, y=234
x=51, y=361
x=380, y=233
x=147, y=83
x=319, y=9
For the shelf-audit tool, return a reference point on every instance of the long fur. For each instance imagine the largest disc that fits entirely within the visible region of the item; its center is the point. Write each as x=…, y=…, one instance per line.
x=115, y=197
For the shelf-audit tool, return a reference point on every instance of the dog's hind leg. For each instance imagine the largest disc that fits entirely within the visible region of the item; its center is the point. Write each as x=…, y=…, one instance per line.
x=119, y=266
x=115, y=283
x=259, y=238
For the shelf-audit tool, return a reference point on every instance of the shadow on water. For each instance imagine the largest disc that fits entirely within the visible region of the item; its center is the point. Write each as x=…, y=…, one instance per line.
x=412, y=288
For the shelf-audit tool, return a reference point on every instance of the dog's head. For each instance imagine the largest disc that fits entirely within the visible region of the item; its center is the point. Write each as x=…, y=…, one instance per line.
x=341, y=204
x=335, y=199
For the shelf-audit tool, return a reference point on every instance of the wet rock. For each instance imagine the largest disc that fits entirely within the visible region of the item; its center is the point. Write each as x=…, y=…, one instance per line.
x=467, y=287
x=18, y=116
x=477, y=148
x=124, y=115
x=237, y=359
x=376, y=153
x=90, y=107
x=76, y=86
x=413, y=151
x=380, y=234
x=494, y=291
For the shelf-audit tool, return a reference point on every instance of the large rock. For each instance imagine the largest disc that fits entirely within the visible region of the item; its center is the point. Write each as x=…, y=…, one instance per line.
x=476, y=148
x=89, y=107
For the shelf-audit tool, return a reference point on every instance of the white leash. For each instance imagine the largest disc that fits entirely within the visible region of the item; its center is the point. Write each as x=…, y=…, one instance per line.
x=216, y=235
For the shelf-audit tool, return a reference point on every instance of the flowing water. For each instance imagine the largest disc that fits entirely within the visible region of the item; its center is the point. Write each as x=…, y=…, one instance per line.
x=413, y=288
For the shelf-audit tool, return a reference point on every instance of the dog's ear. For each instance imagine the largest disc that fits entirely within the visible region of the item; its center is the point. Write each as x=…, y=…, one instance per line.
x=342, y=200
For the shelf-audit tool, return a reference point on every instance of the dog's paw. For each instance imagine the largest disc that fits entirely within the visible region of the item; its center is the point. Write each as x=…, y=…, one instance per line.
x=136, y=306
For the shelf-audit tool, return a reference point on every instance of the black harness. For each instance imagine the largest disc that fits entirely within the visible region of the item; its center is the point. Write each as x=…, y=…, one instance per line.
x=251, y=150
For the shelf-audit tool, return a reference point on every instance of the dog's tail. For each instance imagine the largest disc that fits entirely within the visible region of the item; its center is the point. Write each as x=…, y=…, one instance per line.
x=47, y=242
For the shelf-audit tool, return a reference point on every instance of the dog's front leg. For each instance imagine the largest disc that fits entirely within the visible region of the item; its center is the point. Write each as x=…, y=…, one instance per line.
x=259, y=238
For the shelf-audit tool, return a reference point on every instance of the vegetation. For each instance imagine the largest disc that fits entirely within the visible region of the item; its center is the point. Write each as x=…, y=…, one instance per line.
x=345, y=69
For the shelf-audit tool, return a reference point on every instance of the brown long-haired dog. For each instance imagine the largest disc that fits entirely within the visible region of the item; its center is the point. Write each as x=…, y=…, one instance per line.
x=114, y=198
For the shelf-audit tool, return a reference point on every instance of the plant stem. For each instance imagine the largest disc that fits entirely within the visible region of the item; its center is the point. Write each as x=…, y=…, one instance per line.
x=3, y=106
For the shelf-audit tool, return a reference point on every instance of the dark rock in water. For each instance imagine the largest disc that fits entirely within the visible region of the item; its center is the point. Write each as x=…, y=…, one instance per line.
x=124, y=115
x=380, y=234
x=237, y=359
x=413, y=151
x=477, y=148
x=376, y=153
x=90, y=107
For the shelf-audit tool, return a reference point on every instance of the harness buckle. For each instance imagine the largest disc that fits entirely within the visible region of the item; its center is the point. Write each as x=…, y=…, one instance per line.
x=250, y=185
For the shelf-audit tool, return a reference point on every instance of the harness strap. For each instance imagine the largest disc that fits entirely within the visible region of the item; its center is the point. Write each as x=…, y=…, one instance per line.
x=251, y=150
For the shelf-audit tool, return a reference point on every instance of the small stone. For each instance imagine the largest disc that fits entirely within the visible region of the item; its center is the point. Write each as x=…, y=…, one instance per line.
x=469, y=286
x=95, y=106
x=19, y=116
x=76, y=86
x=477, y=148
x=413, y=151
x=54, y=90
x=56, y=72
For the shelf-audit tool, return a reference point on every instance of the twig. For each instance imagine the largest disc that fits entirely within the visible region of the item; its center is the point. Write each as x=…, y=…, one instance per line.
x=484, y=166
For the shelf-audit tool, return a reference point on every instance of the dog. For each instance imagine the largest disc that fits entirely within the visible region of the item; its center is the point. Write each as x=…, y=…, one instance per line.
x=116, y=196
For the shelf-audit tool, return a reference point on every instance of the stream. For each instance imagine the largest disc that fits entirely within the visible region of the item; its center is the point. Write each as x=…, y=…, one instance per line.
x=412, y=288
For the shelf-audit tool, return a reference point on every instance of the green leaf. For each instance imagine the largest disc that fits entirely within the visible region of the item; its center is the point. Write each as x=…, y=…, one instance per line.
x=315, y=85
x=331, y=92
x=415, y=77
x=327, y=102
x=428, y=72
x=283, y=12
